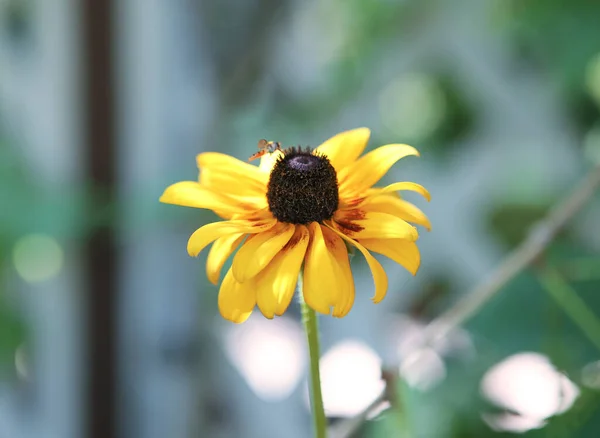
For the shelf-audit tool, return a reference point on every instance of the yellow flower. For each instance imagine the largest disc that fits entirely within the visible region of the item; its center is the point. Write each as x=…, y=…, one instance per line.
x=300, y=208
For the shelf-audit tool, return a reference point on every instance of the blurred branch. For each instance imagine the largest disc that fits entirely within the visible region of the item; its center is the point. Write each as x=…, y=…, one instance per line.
x=532, y=247
x=527, y=252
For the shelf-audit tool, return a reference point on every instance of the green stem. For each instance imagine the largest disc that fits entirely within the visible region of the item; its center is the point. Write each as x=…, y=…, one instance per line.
x=574, y=307
x=309, y=318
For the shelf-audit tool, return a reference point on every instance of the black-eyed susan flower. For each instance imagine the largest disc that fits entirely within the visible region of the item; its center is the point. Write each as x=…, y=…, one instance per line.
x=297, y=210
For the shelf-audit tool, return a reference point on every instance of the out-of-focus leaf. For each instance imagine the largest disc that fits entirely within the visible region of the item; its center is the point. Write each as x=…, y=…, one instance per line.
x=12, y=334
x=511, y=222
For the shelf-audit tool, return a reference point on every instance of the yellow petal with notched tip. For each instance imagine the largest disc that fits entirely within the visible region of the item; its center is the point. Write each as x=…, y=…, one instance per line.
x=344, y=148
x=276, y=284
x=367, y=170
x=193, y=194
x=406, y=185
x=258, y=251
x=379, y=276
x=338, y=249
x=224, y=173
x=396, y=207
x=320, y=286
x=401, y=251
x=202, y=237
x=220, y=251
x=375, y=225
x=236, y=300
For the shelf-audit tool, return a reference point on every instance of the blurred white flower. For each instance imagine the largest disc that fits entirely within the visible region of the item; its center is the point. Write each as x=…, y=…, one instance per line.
x=531, y=387
x=269, y=354
x=422, y=365
x=350, y=378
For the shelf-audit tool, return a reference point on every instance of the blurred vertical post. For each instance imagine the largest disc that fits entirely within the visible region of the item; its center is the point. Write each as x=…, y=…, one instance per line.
x=101, y=262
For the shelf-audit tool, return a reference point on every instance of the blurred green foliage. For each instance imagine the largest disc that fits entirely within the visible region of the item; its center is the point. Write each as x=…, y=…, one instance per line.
x=559, y=38
x=511, y=222
x=13, y=185
x=552, y=37
x=556, y=39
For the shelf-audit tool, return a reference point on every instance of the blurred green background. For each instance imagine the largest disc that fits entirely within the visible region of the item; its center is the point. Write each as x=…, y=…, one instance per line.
x=502, y=99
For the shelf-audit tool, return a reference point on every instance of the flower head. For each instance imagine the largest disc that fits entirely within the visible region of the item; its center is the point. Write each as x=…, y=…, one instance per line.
x=301, y=208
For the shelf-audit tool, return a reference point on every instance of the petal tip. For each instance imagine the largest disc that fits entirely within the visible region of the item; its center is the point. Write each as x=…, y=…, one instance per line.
x=340, y=313
x=414, y=269
x=199, y=158
x=166, y=195
x=409, y=150
x=377, y=300
x=236, y=317
x=192, y=252
x=415, y=152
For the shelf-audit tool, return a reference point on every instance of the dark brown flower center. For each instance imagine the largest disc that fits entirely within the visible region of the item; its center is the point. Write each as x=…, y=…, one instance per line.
x=302, y=187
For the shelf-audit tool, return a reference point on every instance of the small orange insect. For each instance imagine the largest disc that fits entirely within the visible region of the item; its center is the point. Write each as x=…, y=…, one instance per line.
x=265, y=147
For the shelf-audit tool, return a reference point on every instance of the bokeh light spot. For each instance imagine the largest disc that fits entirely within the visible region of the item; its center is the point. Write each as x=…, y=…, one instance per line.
x=350, y=378
x=423, y=369
x=22, y=363
x=269, y=354
x=37, y=257
x=528, y=385
x=590, y=375
x=422, y=361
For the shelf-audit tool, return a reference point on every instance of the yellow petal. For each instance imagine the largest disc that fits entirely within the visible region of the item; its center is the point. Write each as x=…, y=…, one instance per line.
x=369, y=169
x=276, y=284
x=406, y=185
x=231, y=176
x=396, y=207
x=401, y=251
x=256, y=253
x=219, y=253
x=320, y=286
x=361, y=224
x=379, y=275
x=208, y=233
x=236, y=300
x=338, y=249
x=193, y=194
x=267, y=161
x=344, y=148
